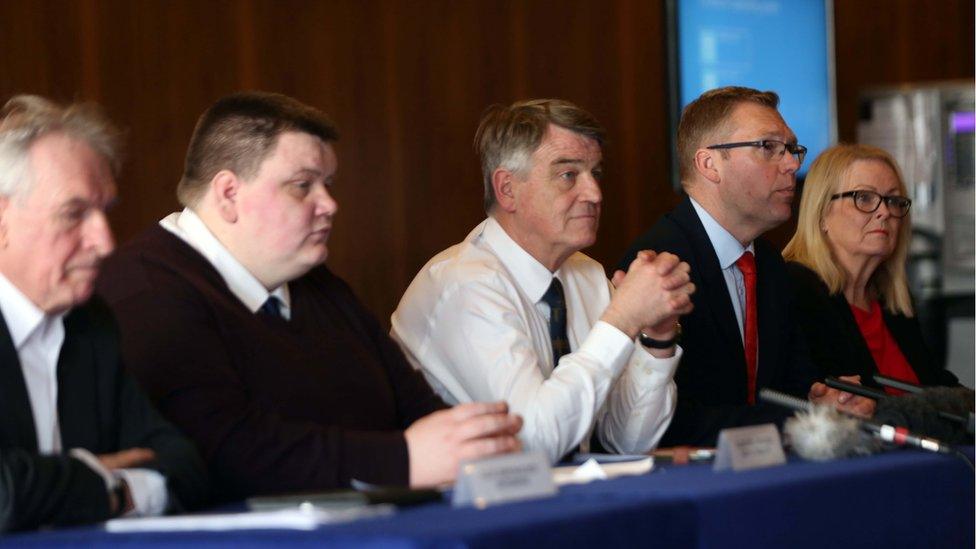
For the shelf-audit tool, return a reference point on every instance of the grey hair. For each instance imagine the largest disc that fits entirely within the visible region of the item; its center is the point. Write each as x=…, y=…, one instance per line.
x=508, y=135
x=25, y=119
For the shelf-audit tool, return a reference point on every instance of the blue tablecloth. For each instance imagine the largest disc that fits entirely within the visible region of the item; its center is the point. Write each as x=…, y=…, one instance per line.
x=899, y=499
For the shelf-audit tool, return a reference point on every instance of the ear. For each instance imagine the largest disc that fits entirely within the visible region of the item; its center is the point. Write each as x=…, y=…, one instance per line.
x=224, y=188
x=503, y=183
x=706, y=165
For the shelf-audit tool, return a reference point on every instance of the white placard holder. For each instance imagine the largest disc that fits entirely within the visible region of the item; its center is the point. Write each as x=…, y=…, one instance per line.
x=753, y=447
x=500, y=479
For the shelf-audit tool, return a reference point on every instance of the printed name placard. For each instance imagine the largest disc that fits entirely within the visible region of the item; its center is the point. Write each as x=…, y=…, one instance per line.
x=500, y=479
x=751, y=447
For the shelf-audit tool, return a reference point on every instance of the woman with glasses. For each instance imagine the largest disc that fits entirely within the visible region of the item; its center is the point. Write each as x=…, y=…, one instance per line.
x=847, y=260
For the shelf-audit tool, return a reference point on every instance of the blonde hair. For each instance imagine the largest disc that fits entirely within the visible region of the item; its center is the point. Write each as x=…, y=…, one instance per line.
x=889, y=282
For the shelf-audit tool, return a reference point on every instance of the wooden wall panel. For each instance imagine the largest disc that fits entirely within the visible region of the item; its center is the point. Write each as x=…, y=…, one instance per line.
x=407, y=81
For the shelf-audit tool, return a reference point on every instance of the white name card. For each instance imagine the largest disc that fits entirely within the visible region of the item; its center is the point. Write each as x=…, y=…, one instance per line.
x=500, y=479
x=751, y=447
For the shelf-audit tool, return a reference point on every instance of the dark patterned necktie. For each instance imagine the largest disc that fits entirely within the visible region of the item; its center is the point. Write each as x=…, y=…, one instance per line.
x=272, y=308
x=557, y=320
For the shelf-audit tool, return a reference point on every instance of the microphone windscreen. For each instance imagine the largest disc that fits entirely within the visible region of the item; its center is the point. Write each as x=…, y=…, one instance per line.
x=919, y=413
x=823, y=434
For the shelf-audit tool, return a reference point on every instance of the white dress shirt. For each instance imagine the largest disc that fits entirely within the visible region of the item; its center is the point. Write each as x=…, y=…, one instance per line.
x=38, y=338
x=188, y=226
x=473, y=321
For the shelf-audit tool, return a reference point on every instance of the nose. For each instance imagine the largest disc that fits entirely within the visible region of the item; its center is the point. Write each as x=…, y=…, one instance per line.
x=98, y=234
x=591, y=190
x=325, y=204
x=789, y=163
x=883, y=212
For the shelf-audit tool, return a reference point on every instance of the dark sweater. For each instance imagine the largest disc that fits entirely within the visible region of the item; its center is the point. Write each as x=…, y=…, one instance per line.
x=274, y=406
x=835, y=341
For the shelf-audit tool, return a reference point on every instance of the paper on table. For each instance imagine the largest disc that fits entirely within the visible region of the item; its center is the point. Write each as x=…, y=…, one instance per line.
x=591, y=470
x=301, y=518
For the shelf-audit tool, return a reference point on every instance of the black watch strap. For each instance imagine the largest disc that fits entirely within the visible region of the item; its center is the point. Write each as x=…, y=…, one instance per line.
x=652, y=343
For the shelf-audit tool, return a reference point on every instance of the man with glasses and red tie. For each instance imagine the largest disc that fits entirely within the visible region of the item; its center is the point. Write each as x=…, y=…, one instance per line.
x=738, y=161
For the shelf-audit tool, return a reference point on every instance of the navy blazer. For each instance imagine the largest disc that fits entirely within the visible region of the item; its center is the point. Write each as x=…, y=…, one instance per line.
x=101, y=410
x=836, y=344
x=711, y=379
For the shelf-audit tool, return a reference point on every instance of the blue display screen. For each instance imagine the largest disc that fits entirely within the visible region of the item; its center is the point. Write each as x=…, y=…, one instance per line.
x=778, y=45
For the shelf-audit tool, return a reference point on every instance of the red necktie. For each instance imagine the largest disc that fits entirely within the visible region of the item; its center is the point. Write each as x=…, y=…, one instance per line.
x=747, y=264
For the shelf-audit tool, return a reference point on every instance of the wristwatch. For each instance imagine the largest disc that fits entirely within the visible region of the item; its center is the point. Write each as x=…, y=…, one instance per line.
x=652, y=343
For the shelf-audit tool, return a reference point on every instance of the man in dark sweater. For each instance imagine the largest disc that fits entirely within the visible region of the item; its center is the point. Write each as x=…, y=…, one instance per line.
x=253, y=347
x=738, y=161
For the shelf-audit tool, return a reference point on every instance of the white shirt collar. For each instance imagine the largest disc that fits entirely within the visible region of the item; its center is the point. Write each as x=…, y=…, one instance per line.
x=191, y=229
x=727, y=248
x=23, y=317
x=533, y=277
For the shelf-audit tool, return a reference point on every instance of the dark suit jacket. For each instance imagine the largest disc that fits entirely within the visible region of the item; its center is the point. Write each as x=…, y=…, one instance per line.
x=711, y=378
x=835, y=341
x=101, y=410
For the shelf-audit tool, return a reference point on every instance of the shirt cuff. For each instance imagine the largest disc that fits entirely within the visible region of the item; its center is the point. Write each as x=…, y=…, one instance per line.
x=92, y=462
x=148, y=491
x=659, y=371
x=608, y=345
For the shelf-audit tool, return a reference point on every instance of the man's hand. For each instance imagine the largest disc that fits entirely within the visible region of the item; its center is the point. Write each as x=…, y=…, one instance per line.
x=650, y=297
x=842, y=400
x=439, y=442
x=126, y=459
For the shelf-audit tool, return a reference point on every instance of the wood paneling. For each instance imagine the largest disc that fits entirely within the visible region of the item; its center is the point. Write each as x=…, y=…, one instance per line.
x=407, y=81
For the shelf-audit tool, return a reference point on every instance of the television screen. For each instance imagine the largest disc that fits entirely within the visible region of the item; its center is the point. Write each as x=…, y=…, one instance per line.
x=779, y=45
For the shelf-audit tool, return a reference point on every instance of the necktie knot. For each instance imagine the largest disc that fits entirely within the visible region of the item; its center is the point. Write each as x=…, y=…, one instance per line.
x=272, y=307
x=554, y=295
x=746, y=263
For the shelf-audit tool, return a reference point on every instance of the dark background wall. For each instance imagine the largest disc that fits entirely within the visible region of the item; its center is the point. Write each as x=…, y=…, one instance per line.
x=407, y=81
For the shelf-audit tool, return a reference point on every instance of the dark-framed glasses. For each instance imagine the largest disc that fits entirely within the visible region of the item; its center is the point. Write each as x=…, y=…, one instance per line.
x=870, y=201
x=772, y=149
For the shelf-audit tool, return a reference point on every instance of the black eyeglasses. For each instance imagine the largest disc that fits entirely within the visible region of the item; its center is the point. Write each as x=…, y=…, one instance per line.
x=771, y=148
x=870, y=201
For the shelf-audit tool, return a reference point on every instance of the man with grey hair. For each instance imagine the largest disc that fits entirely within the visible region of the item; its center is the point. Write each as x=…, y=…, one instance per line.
x=515, y=312
x=78, y=441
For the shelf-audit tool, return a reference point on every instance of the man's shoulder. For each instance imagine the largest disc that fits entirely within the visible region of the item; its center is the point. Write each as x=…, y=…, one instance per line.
x=670, y=233
x=466, y=263
x=803, y=277
x=93, y=316
x=155, y=261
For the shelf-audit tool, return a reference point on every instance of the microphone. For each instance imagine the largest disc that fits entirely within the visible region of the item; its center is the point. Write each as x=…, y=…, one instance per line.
x=897, y=384
x=921, y=411
x=898, y=436
x=819, y=432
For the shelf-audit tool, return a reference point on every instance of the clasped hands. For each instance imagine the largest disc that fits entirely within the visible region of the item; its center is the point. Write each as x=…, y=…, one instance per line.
x=651, y=296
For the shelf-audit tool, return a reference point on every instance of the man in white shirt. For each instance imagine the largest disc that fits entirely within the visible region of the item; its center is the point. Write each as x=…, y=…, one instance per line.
x=78, y=441
x=515, y=312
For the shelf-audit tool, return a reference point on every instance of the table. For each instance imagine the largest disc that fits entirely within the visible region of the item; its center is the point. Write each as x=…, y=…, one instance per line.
x=898, y=499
